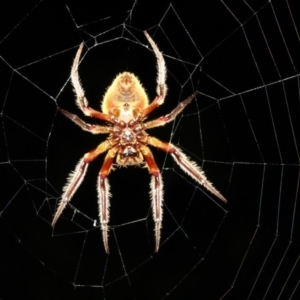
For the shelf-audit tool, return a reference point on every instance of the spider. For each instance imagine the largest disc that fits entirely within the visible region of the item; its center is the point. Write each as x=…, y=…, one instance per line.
x=125, y=106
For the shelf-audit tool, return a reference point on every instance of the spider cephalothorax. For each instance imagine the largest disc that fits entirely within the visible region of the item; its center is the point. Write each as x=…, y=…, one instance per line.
x=125, y=106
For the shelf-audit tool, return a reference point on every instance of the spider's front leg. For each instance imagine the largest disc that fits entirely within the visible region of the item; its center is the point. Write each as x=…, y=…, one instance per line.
x=104, y=195
x=76, y=177
x=188, y=166
x=156, y=193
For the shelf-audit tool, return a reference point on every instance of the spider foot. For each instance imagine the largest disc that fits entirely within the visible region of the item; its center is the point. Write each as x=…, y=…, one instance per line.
x=63, y=203
x=157, y=200
x=157, y=231
x=103, y=201
x=104, y=228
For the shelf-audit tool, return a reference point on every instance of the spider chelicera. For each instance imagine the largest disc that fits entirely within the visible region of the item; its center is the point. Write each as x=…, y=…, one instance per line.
x=125, y=106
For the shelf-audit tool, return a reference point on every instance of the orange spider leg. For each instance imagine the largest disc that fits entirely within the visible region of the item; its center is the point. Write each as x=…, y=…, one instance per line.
x=154, y=104
x=161, y=88
x=171, y=116
x=104, y=195
x=190, y=167
x=156, y=186
x=96, y=114
x=95, y=129
x=76, y=177
x=88, y=111
x=81, y=100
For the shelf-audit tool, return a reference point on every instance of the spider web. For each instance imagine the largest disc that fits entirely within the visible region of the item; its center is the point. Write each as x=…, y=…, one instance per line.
x=243, y=129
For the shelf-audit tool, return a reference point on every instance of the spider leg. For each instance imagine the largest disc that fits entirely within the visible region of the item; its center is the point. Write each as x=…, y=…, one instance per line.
x=190, y=167
x=76, y=177
x=171, y=116
x=81, y=100
x=161, y=89
x=104, y=195
x=95, y=129
x=156, y=193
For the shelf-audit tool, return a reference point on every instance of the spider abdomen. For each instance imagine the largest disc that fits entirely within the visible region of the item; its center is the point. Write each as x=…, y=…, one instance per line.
x=125, y=96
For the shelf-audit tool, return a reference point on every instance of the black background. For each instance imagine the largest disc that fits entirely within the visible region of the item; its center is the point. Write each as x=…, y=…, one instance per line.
x=243, y=129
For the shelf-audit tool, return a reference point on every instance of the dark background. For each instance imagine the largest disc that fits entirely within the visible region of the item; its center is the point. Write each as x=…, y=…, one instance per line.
x=243, y=129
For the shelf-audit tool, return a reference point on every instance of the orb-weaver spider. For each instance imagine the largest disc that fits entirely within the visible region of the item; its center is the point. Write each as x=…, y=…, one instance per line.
x=125, y=106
